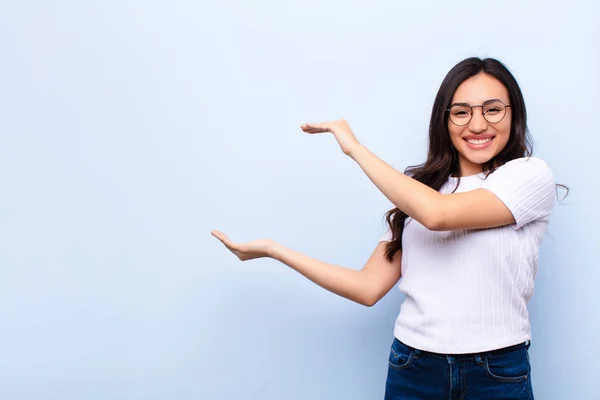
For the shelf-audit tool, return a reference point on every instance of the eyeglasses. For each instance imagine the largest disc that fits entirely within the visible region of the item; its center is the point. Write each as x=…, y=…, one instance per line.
x=493, y=111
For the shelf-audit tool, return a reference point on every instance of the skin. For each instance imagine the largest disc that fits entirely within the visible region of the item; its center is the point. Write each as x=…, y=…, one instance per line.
x=475, y=209
x=474, y=91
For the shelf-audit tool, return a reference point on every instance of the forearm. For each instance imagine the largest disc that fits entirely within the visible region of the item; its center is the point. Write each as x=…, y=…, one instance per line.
x=345, y=282
x=417, y=200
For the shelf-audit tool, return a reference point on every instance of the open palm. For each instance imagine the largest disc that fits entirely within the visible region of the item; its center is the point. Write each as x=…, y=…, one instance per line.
x=245, y=251
x=341, y=131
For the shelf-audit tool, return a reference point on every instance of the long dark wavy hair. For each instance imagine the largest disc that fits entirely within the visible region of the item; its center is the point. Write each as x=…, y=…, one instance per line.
x=442, y=157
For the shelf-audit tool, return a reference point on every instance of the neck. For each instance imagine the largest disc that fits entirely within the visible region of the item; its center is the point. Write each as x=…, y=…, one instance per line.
x=468, y=168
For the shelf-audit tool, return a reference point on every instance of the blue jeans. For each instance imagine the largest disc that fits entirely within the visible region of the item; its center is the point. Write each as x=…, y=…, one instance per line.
x=500, y=374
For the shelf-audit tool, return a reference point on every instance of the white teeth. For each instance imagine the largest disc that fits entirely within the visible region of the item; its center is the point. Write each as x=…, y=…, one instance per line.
x=479, y=141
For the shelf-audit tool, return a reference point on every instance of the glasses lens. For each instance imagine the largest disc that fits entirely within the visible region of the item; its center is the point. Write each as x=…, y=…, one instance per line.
x=494, y=112
x=460, y=115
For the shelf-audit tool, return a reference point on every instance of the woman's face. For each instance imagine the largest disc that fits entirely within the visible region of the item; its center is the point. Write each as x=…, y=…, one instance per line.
x=479, y=140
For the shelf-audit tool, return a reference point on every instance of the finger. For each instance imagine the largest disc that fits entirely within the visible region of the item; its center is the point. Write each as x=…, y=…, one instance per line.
x=321, y=126
x=314, y=127
x=222, y=237
x=313, y=130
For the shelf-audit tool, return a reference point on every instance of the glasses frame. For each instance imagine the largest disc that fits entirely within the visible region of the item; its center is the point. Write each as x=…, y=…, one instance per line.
x=482, y=113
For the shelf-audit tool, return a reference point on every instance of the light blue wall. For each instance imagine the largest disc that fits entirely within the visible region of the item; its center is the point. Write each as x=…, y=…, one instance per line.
x=130, y=129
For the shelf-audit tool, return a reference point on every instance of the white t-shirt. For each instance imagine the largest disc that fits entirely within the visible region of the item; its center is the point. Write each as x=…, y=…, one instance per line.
x=467, y=290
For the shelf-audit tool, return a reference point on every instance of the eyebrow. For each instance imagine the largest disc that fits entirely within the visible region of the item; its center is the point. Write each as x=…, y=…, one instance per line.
x=468, y=105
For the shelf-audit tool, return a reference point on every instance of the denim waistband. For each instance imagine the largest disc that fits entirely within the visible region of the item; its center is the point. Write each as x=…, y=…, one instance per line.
x=468, y=355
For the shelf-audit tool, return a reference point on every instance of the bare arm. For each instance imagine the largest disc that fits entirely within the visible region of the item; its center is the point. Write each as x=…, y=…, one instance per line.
x=424, y=204
x=478, y=208
x=366, y=286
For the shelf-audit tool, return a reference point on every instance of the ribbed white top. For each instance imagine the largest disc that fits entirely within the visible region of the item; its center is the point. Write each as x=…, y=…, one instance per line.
x=467, y=290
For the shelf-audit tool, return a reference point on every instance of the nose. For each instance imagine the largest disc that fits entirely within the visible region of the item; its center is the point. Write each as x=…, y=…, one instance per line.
x=478, y=123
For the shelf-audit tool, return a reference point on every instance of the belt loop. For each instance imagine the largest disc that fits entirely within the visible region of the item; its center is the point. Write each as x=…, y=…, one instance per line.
x=479, y=360
x=528, y=344
x=417, y=352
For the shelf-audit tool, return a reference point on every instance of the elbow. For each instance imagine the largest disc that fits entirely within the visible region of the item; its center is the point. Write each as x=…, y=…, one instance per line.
x=433, y=217
x=370, y=300
x=433, y=222
x=368, y=303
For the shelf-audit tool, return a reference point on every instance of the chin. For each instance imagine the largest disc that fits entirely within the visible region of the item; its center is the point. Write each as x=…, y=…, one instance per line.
x=479, y=158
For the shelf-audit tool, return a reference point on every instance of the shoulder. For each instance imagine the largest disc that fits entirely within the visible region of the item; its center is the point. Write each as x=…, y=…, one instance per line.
x=526, y=186
x=524, y=167
x=521, y=175
x=526, y=162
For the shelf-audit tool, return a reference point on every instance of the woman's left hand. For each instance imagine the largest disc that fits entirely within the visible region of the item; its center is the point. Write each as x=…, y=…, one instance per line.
x=341, y=131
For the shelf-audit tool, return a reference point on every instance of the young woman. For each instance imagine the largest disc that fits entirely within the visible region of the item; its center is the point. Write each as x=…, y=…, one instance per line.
x=464, y=237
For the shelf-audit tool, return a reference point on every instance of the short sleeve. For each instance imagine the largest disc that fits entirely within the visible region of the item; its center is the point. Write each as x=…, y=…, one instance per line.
x=526, y=186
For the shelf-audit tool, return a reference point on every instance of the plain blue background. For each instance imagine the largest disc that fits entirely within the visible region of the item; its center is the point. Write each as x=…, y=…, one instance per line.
x=130, y=129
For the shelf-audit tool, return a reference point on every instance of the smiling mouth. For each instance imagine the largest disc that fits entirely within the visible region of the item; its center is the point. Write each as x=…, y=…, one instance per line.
x=479, y=141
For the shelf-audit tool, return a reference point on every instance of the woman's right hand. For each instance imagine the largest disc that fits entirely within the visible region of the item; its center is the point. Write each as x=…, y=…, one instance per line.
x=245, y=251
